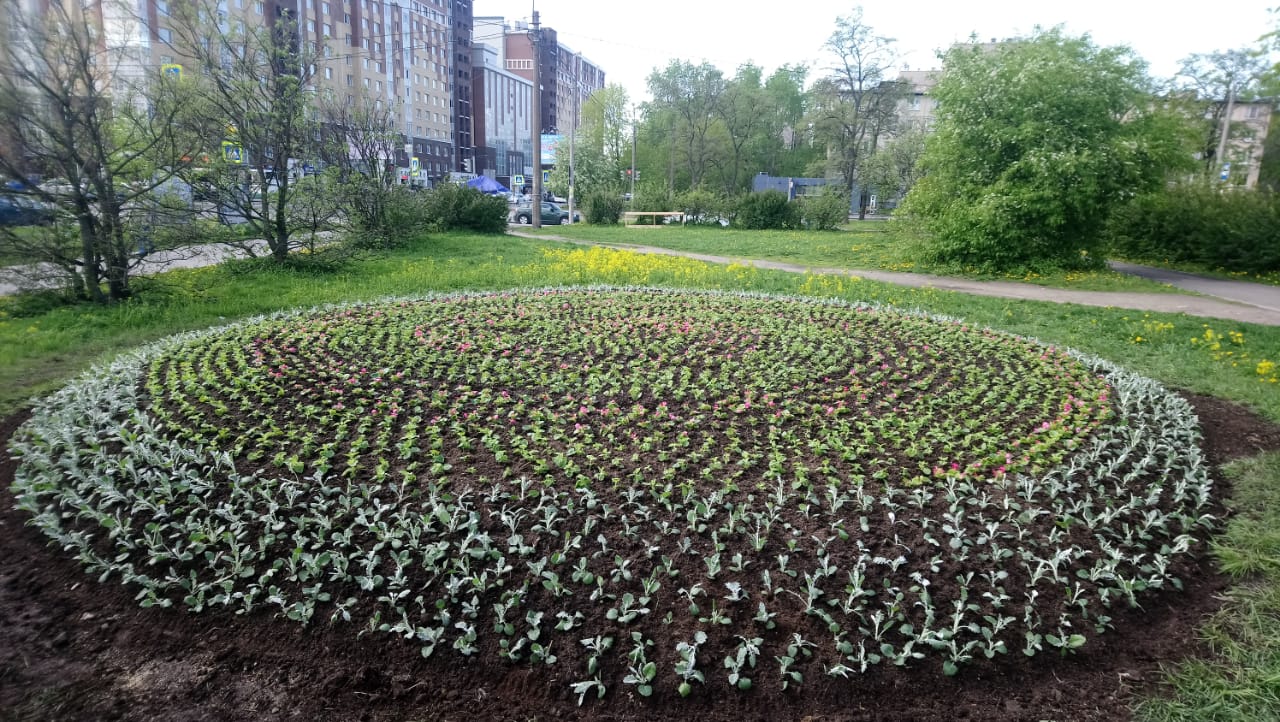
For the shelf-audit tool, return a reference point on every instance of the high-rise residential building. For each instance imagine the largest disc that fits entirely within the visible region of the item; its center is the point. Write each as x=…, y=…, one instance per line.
x=567, y=77
x=502, y=87
x=503, y=122
x=402, y=54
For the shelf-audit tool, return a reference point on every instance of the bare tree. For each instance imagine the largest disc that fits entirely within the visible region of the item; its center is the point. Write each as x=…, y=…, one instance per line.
x=855, y=104
x=257, y=82
x=86, y=117
x=362, y=143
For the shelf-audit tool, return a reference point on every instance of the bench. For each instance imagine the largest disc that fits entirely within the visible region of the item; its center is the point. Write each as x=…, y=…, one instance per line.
x=630, y=218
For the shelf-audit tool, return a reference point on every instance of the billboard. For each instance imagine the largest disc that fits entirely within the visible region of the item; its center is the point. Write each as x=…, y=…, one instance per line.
x=549, y=145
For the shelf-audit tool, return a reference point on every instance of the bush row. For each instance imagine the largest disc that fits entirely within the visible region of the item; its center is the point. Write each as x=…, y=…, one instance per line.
x=1200, y=224
x=754, y=211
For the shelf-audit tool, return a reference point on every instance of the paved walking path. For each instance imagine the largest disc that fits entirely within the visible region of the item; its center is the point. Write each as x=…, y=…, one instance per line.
x=1234, y=300
x=47, y=276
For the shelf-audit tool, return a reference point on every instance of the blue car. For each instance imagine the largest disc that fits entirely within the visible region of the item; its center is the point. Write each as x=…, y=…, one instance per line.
x=20, y=211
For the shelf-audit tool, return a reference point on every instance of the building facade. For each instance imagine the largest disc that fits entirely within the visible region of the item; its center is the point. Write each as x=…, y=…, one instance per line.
x=503, y=124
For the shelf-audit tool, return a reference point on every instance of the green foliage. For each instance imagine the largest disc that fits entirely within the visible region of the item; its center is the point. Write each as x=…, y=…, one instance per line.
x=404, y=214
x=700, y=207
x=450, y=206
x=1036, y=141
x=602, y=208
x=1200, y=224
x=651, y=197
x=767, y=210
x=1238, y=681
x=826, y=210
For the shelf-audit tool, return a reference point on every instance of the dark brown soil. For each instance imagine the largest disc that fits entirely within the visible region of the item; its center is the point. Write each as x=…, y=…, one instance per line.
x=73, y=649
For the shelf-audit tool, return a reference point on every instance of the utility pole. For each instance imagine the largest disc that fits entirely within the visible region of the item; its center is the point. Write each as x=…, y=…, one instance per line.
x=577, y=98
x=535, y=208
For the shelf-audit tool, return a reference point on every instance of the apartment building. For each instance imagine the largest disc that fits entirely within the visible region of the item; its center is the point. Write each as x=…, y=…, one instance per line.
x=568, y=78
x=1250, y=121
x=503, y=122
x=503, y=58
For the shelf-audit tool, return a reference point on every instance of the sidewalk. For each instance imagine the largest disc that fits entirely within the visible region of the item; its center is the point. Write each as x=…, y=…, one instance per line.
x=46, y=276
x=1231, y=303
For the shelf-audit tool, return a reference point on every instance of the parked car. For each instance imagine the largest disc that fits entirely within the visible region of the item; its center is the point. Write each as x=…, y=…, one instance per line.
x=20, y=211
x=552, y=214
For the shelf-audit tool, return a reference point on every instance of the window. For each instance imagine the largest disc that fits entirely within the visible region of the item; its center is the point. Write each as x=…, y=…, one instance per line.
x=165, y=34
x=328, y=73
x=324, y=7
x=162, y=7
x=328, y=30
x=166, y=59
x=259, y=8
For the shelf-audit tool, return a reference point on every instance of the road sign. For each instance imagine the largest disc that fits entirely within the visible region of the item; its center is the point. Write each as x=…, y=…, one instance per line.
x=232, y=152
x=1226, y=171
x=414, y=167
x=517, y=180
x=171, y=70
x=546, y=176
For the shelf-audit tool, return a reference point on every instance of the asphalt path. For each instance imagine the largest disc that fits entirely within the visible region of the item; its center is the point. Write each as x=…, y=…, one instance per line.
x=1232, y=300
x=1226, y=299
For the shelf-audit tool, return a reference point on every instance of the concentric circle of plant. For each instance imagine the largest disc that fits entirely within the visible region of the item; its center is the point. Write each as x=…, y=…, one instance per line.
x=646, y=487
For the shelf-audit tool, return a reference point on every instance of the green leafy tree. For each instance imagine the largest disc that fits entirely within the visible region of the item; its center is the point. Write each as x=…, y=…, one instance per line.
x=601, y=147
x=895, y=167
x=785, y=145
x=1208, y=83
x=686, y=98
x=1036, y=141
x=744, y=114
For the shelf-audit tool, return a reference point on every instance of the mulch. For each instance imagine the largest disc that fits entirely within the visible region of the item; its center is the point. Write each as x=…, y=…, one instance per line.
x=73, y=649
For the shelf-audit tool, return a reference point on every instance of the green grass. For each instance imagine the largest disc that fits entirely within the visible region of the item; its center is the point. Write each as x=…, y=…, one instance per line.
x=874, y=245
x=1242, y=679
x=39, y=349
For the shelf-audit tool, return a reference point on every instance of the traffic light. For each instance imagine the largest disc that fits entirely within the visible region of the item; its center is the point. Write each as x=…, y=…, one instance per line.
x=466, y=165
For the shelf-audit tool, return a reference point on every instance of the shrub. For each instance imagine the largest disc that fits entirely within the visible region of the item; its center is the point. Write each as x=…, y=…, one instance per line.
x=450, y=206
x=652, y=199
x=1238, y=231
x=603, y=208
x=826, y=210
x=404, y=214
x=700, y=207
x=767, y=210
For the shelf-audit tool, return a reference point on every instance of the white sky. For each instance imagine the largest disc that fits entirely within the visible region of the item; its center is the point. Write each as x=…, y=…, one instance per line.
x=629, y=39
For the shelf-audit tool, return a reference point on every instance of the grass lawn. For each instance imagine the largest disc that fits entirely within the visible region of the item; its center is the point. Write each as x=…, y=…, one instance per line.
x=39, y=349
x=874, y=245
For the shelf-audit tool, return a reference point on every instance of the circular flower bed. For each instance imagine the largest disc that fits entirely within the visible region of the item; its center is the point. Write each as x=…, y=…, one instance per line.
x=644, y=487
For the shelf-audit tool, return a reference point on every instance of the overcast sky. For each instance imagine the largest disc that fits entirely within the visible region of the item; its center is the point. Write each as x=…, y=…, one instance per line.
x=629, y=39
